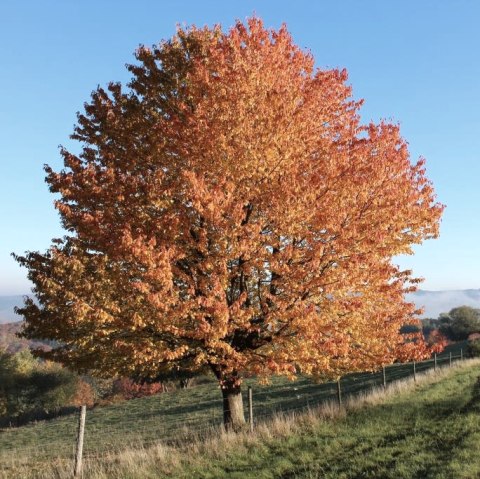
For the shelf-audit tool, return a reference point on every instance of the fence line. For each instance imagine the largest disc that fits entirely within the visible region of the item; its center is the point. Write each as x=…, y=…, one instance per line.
x=100, y=440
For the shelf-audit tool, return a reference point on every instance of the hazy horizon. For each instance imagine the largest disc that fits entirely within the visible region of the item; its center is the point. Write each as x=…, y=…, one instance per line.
x=434, y=302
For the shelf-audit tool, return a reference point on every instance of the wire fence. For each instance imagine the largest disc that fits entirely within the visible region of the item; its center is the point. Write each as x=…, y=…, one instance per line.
x=182, y=416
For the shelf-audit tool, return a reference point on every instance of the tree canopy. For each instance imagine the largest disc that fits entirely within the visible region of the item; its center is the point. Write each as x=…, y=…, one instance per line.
x=228, y=209
x=460, y=322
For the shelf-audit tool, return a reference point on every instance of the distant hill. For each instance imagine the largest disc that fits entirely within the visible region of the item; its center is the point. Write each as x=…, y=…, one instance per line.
x=10, y=342
x=436, y=302
x=11, y=323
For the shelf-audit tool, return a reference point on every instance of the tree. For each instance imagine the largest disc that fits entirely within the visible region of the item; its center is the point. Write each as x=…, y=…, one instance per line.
x=229, y=210
x=460, y=322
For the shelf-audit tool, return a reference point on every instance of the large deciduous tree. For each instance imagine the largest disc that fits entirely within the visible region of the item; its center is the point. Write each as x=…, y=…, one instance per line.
x=230, y=210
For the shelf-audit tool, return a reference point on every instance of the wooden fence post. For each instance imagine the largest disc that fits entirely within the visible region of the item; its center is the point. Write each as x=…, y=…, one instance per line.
x=450, y=359
x=339, y=393
x=435, y=362
x=414, y=371
x=461, y=354
x=79, y=451
x=250, y=407
x=384, y=378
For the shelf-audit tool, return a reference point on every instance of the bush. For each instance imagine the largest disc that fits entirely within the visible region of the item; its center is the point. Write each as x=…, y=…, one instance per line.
x=127, y=388
x=31, y=389
x=473, y=349
x=84, y=394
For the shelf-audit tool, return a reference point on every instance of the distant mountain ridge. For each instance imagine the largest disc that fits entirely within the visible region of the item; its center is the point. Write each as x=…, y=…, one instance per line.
x=10, y=342
x=434, y=302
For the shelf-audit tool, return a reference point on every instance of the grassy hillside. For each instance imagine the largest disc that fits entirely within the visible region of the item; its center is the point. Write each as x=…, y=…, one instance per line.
x=178, y=415
x=431, y=430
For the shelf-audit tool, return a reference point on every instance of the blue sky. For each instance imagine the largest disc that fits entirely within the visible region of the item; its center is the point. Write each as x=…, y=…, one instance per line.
x=415, y=62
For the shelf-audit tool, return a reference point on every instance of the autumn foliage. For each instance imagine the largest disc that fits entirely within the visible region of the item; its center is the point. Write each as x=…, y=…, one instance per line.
x=127, y=388
x=436, y=341
x=229, y=209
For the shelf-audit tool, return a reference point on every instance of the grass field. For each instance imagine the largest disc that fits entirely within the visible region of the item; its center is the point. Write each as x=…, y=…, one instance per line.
x=431, y=431
x=179, y=415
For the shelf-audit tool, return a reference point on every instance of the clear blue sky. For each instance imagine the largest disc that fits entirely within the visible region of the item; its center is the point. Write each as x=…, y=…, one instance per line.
x=416, y=62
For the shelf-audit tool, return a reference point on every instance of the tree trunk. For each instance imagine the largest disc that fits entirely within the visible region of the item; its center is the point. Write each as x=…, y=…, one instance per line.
x=233, y=416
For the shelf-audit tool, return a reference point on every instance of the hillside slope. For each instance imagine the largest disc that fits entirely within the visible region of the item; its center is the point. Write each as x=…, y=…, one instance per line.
x=138, y=430
x=429, y=431
x=10, y=342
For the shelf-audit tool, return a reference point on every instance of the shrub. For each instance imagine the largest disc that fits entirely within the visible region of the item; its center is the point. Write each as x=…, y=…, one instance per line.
x=32, y=389
x=129, y=389
x=473, y=349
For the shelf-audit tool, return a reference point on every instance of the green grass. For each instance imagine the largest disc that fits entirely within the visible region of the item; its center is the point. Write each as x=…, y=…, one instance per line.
x=430, y=429
x=430, y=432
x=173, y=415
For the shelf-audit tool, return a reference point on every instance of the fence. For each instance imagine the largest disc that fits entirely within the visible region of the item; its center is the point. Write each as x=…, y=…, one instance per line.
x=183, y=415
